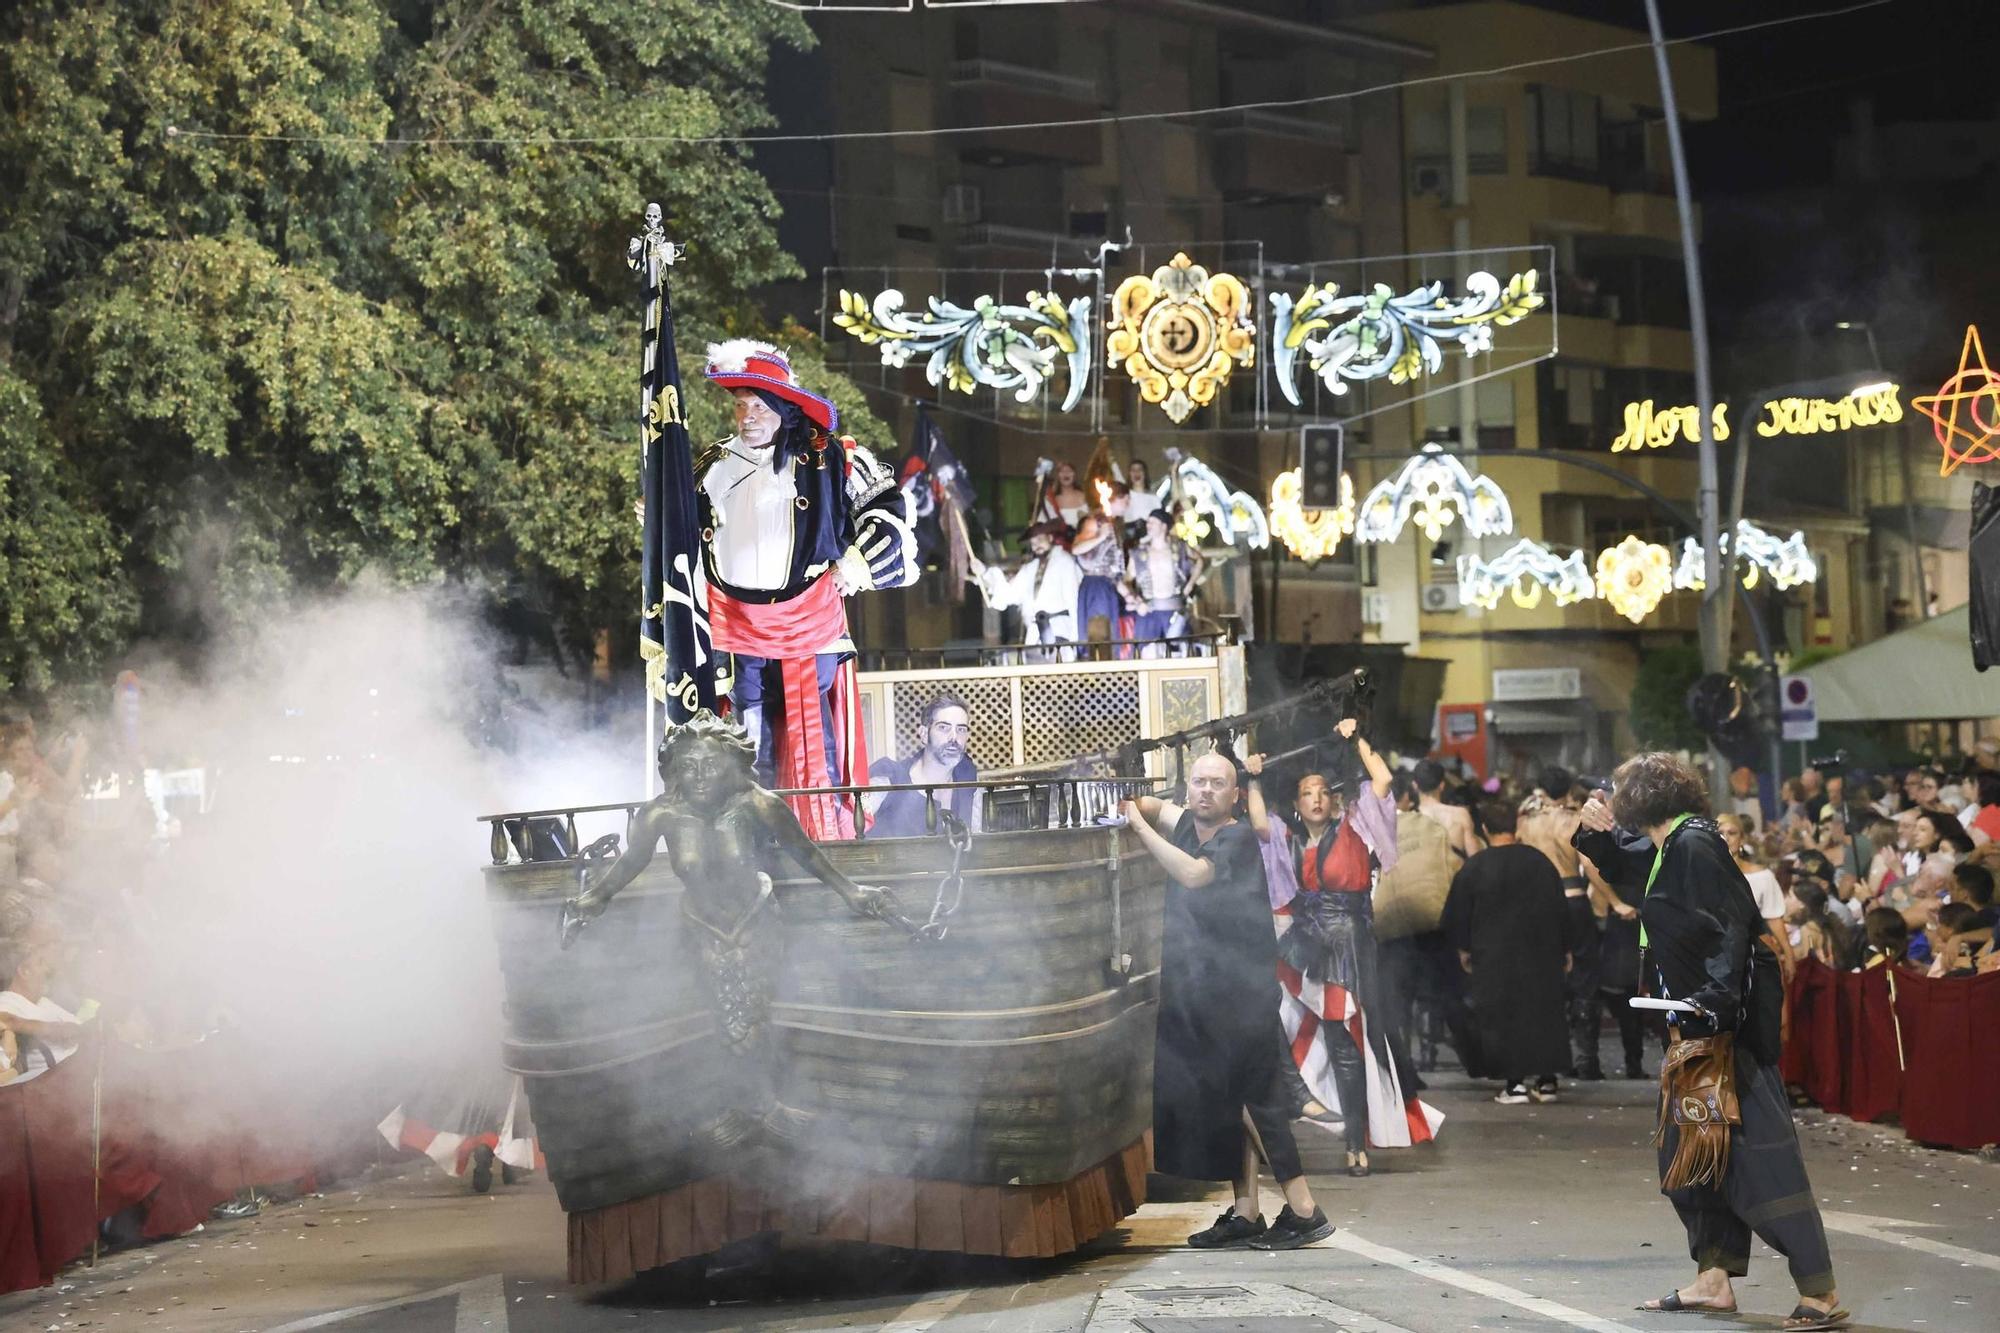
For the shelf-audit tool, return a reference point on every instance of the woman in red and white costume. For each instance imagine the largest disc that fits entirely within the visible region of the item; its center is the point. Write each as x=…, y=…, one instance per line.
x=1321, y=878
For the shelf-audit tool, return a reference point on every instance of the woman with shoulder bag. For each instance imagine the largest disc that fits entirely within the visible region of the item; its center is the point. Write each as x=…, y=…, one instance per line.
x=1729, y=1154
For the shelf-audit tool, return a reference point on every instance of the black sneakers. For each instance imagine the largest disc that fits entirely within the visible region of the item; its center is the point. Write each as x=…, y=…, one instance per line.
x=1229, y=1232
x=1291, y=1231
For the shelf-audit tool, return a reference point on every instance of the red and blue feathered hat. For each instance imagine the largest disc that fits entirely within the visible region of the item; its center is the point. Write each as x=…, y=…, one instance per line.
x=744, y=363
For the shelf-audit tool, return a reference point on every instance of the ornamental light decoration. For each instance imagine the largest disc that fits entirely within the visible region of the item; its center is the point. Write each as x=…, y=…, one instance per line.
x=1786, y=561
x=1432, y=488
x=1524, y=571
x=1634, y=576
x=1381, y=335
x=1310, y=537
x=989, y=344
x=1179, y=332
x=1209, y=505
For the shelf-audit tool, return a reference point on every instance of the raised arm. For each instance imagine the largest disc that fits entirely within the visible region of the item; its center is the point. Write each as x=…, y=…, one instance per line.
x=1260, y=815
x=1190, y=872
x=1379, y=776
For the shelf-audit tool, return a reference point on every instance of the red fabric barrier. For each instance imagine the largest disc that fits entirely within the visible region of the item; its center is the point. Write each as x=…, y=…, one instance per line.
x=19, y=1259
x=1951, y=1091
x=180, y=1134
x=1844, y=1050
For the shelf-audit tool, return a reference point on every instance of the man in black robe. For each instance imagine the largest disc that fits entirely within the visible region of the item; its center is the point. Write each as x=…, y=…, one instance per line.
x=1702, y=946
x=1506, y=918
x=1219, y=1038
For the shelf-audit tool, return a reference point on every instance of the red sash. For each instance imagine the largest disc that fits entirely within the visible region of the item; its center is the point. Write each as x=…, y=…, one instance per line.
x=792, y=633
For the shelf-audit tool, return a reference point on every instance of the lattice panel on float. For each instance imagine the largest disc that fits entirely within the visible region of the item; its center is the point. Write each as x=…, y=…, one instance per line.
x=1076, y=713
x=990, y=702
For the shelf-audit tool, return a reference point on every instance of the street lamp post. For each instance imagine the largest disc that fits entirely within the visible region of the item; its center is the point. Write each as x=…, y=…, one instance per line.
x=1867, y=331
x=1714, y=652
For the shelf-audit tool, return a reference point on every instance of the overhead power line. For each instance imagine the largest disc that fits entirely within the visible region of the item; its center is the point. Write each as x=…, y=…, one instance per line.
x=1076, y=122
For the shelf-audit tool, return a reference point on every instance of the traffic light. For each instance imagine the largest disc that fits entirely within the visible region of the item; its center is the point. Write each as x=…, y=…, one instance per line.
x=1321, y=456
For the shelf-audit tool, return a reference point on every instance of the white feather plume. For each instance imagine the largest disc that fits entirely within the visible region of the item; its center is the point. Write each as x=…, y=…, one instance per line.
x=733, y=357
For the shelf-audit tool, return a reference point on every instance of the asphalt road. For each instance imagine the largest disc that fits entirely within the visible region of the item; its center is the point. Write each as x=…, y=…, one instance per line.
x=1535, y=1217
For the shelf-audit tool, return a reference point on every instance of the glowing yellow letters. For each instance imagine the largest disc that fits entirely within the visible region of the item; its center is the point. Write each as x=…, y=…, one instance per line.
x=1650, y=428
x=1881, y=406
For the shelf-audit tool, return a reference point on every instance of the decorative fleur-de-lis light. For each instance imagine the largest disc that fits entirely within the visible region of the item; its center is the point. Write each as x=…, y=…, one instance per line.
x=1381, y=335
x=1179, y=332
x=1634, y=576
x=1432, y=488
x=989, y=345
x=1524, y=571
x=1310, y=537
x=1785, y=561
x=1210, y=506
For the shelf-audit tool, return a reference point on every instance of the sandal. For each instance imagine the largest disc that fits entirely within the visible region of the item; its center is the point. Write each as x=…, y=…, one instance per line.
x=1671, y=1303
x=1805, y=1319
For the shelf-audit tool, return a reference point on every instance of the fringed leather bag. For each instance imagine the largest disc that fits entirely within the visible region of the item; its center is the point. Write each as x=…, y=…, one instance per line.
x=1698, y=1092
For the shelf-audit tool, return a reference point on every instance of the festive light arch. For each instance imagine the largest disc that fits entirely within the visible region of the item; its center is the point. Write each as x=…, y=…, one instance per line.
x=1310, y=537
x=1210, y=505
x=1432, y=489
x=1524, y=571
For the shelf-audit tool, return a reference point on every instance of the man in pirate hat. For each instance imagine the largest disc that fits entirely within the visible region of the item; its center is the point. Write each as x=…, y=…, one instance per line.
x=1044, y=587
x=794, y=521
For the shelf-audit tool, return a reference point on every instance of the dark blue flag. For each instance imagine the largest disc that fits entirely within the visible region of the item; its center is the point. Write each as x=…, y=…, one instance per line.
x=674, y=636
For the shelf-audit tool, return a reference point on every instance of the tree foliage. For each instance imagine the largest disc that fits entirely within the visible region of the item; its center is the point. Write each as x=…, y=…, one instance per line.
x=237, y=368
x=1659, y=698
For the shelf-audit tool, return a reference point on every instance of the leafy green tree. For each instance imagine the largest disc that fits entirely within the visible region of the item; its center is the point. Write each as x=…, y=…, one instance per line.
x=1659, y=698
x=252, y=350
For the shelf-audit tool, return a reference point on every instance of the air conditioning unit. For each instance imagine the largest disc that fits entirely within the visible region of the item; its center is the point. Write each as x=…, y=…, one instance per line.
x=1440, y=597
x=962, y=204
x=1428, y=178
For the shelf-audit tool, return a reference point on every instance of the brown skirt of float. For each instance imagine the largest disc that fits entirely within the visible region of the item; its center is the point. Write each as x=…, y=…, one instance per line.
x=989, y=1093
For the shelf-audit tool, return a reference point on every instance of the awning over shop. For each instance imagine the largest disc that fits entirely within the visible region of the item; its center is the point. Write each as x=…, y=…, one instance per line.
x=1920, y=674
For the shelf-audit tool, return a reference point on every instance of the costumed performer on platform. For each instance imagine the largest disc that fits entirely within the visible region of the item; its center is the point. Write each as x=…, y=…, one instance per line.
x=795, y=520
x=1729, y=1154
x=1045, y=587
x=1321, y=898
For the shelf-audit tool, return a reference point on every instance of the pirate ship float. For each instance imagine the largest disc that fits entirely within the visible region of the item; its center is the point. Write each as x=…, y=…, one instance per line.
x=982, y=1086
x=980, y=1082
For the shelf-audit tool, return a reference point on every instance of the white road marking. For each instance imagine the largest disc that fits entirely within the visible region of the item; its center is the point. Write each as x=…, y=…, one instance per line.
x=1481, y=1286
x=919, y=1317
x=1877, y=1229
x=482, y=1308
x=1124, y=1309
x=1430, y=1268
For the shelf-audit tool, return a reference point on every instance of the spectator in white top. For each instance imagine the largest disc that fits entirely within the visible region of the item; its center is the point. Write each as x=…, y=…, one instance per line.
x=1764, y=887
x=36, y=1033
x=1139, y=476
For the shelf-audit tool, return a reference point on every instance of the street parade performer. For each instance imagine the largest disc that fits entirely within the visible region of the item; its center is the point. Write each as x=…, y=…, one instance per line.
x=1729, y=1154
x=718, y=824
x=795, y=520
x=1320, y=893
x=1045, y=587
x=1216, y=1052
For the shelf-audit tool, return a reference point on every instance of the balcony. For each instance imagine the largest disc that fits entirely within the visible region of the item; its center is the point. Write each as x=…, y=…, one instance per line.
x=992, y=92
x=995, y=245
x=1266, y=153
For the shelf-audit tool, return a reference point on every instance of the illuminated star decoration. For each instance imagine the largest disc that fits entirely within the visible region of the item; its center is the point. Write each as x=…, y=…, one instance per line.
x=1975, y=391
x=1634, y=576
x=1429, y=489
x=1310, y=537
x=1524, y=570
x=1786, y=561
